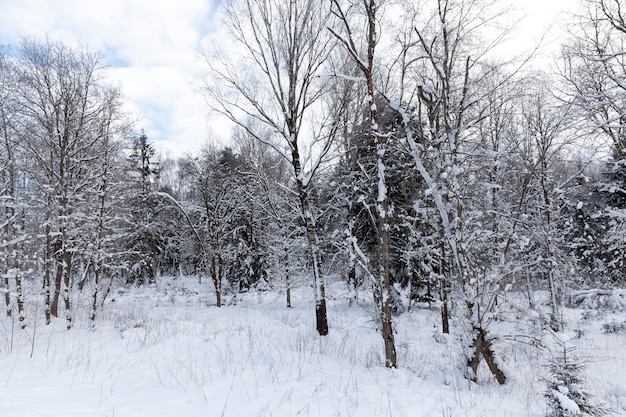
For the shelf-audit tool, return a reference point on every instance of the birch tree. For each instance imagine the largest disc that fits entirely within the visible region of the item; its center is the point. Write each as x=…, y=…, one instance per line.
x=284, y=48
x=12, y=226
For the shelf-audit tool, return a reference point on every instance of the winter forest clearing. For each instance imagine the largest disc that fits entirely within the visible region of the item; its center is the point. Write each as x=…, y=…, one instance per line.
x=404, y=222
x=164, y=350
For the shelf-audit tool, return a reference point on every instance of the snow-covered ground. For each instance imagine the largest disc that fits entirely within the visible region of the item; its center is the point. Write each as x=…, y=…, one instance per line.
x=163, y=351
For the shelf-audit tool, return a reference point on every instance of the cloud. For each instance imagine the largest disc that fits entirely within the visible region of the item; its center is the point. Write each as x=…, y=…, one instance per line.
x=150, y=46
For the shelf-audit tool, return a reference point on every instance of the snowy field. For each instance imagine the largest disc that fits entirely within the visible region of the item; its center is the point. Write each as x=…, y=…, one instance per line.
x=164, y=351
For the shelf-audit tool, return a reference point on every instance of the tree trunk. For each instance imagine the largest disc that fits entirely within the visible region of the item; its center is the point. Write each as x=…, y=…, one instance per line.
x=555, y=322
x=287, y=282
x=381, y=276
x=216, y=277
x=352, y=280
x=46, y=274
x=383, y=206
x=445, y=314
x=67, y=267
x=20, y=298
x=94, y=300
x=7, y=296
x=321, y=319
x=58, y=281
x=391, y=360
x=482, y=347
x=445, y=289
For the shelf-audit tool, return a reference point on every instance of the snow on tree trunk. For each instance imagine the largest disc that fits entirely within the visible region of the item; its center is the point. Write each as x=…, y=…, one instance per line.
x=289, y=44
x=321, y=319
x=381, y=277
x=61, y=136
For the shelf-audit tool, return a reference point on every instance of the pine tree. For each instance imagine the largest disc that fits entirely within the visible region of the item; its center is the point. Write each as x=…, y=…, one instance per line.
x=145, y=240
x=566, y=394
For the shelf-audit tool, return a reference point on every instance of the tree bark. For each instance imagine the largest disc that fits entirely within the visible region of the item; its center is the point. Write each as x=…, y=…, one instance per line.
x=482, y=347
x=7, y=296
x=321, y=318
x=58, y=280
x=287, y=281
x=94, y=298
x=288, y=43
x=66, y=288
x=444, y=284
x=46, y=275
x=216, y=276
x=382, y=276
x=19, y=289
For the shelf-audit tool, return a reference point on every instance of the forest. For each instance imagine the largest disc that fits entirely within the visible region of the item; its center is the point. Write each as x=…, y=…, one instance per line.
x=387, y=146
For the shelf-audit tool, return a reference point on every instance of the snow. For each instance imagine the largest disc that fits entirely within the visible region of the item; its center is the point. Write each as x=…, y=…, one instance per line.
x=566, y=403
x=163, y=350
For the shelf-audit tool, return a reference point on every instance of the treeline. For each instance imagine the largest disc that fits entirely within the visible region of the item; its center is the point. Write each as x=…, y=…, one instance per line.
x=384, y=143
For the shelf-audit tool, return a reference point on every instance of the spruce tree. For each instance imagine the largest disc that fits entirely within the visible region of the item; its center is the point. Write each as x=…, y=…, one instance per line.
x=566, y=394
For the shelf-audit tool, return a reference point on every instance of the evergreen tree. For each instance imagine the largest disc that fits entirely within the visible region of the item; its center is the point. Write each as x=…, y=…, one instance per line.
x=145, y=240
x=566, y=394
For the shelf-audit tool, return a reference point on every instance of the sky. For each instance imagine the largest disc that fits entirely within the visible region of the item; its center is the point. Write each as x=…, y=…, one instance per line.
x=151, y=47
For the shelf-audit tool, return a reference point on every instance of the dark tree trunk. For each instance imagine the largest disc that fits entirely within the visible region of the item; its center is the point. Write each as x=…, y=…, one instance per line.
x=445, y=314
x=7, y=296
x=352, y=280
x=96, y=289
x=58, y=281
x=321, y=318
x=381, y=276
x=391, y=360
x=67, y=268
x=482, y=347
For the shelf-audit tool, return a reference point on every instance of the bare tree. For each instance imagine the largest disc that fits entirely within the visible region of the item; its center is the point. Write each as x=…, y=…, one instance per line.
x=594, y=71
x=365, y=61
x=448, y=97
x=285, y=46
x=12, y=226
x=436, y=73
x=63, y=102
x=594, y=68
x=101, y=253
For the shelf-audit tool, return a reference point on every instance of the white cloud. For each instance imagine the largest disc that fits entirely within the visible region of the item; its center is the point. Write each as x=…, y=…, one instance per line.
x=151, y=47
x=540, y=23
